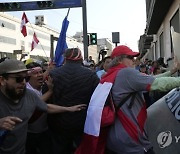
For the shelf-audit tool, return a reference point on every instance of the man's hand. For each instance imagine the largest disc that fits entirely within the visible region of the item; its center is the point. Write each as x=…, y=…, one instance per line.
x=176, y=66
x=49, y=83
x=9, y=123
x=77, y=108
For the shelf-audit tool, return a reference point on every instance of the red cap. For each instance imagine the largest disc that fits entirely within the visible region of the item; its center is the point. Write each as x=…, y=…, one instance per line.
x=123, y=50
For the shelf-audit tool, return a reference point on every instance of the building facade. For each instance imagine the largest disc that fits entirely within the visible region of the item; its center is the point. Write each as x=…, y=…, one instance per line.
x=104, y=47
x=156, y=41
x=12, y=42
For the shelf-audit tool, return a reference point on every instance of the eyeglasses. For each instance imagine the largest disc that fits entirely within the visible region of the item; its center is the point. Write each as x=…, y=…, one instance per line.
x=19, y=79
x=129, y=57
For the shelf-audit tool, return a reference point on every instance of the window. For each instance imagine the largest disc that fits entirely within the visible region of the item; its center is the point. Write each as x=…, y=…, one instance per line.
x=46, y=48
x=174, y=22
x=39, y=35
x=7, y=40
x=8, y=25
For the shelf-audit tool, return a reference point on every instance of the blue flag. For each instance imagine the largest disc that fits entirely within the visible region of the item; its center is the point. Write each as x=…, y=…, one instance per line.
x=61, y=44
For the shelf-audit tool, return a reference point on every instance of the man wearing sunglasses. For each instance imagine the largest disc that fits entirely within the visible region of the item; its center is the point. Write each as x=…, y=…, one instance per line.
x=17, y=105
x=127, y=135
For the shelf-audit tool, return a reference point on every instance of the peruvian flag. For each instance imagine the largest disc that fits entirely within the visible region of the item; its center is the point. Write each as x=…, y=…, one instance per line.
x=94, y=139
x=24, y=21
x=35, y=41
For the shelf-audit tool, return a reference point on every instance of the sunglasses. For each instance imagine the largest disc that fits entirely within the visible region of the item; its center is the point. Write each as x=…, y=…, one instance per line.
x=19, y=79
x=129, y=57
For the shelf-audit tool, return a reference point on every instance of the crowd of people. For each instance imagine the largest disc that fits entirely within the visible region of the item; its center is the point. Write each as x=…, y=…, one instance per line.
x=44, y=110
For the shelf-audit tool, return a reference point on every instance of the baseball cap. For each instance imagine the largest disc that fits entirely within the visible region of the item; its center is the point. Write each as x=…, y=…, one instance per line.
x=123, y=50
x=12, y=66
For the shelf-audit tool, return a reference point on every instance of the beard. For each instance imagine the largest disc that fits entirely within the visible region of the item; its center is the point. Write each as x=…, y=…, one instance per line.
x=12, y=94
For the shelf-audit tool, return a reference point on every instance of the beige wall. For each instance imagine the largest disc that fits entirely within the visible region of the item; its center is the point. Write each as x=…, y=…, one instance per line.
x=45, y=31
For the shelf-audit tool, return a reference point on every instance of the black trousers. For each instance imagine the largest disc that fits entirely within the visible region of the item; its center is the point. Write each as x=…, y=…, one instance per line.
x=65, y=143
x=39, y=143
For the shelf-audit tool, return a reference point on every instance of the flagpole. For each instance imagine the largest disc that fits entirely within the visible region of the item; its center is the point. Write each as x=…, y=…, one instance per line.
x=85, y=37
x=39, y=42
x=68, y=12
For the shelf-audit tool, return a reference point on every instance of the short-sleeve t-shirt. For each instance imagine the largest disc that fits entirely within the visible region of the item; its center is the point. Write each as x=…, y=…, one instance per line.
x=14, y=142
x=129, y=127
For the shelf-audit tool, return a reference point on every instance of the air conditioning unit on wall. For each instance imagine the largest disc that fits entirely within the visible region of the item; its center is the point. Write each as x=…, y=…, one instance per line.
x=40, y=20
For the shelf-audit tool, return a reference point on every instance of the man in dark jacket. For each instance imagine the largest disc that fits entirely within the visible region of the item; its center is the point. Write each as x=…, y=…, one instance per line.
x=73, y=84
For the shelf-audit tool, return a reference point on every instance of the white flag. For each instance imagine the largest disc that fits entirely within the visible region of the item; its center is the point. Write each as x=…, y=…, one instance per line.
x=35, y=42
x=24, y=21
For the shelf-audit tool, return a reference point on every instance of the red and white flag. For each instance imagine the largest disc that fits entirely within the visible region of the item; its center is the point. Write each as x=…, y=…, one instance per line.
x=24, y=21
x=35, y=42
x=94, y=138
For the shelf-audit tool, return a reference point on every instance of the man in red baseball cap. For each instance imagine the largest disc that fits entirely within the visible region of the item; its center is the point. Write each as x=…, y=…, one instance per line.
x=123, y=50
x=127, y=135
x=126, y=84
x=125, y=55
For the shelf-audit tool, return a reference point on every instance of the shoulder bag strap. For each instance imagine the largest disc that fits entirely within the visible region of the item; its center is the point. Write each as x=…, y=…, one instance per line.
x=112, y=102
x=125, y=99
x=132, y=100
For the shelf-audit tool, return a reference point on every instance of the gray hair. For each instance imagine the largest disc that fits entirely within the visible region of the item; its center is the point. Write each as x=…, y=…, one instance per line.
x=115, y=61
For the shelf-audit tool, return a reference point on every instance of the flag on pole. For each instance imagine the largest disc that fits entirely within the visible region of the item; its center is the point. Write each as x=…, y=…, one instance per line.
x=24, y=21
x=61, y=44
x=35, y=41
